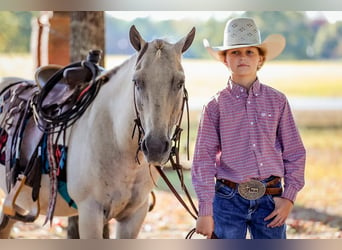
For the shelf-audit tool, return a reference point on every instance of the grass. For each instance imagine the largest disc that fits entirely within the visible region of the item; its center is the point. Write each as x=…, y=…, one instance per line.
x=308, y=78
x=205, y=77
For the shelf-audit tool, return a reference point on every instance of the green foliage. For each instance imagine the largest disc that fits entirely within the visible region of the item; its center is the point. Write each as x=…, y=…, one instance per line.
x=299, y=31
x=15, y=30
x=294, y=26
x=328, y=42
x=306, y=39
x=9, y=29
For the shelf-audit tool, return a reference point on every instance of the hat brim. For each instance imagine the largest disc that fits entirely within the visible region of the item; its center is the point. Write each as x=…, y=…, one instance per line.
x=272, y=46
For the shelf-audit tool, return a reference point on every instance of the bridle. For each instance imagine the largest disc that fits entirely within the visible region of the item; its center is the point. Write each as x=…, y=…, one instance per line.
x=174, y=154
x=176, y=134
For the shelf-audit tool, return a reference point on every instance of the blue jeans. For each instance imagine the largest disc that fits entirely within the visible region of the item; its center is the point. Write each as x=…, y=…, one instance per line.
x=234, y=215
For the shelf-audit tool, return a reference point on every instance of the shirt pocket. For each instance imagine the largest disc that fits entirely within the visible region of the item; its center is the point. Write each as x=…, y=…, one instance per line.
x=268, y=121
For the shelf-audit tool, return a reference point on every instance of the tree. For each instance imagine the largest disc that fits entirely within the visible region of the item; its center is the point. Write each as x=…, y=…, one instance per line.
x=15, y=30
x=293, y=25
x=328, y=42
x=87, y=32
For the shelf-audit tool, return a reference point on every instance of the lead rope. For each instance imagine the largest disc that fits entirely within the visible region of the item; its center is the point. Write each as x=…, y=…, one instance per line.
x=177, y=166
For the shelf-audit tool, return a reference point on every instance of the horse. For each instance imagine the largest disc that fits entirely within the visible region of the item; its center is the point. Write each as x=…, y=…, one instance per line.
x=110, y=171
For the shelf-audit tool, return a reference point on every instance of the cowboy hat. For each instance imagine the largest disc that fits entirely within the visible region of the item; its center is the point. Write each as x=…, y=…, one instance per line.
x=243, y=32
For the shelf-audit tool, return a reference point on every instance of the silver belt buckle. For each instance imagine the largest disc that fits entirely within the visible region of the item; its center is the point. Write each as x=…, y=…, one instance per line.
x=252, y=190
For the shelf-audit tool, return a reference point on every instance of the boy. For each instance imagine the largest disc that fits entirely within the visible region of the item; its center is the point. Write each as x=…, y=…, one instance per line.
x=247, y=143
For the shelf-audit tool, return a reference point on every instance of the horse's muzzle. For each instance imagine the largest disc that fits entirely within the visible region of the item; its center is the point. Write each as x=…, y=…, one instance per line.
x=156, y=149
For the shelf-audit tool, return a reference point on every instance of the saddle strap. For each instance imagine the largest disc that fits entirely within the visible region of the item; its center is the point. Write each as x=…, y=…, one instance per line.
x=53, y=180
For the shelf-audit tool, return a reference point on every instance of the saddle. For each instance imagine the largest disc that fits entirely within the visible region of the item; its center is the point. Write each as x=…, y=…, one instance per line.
x=28, y=110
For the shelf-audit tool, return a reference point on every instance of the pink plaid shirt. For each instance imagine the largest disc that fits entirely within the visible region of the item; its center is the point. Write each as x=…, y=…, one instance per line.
x=247, y=135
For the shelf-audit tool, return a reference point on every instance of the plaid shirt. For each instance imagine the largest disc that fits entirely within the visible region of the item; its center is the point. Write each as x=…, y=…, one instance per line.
x=244, y=135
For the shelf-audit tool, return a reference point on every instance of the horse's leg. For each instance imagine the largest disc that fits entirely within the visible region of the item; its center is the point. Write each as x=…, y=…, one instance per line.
x=73, y=232
x=91, y=219
x=6, y=230
x=129, y=227
x=5, y=223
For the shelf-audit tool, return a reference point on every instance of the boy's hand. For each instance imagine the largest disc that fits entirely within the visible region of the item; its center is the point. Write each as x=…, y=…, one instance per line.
x=205, y=226
x=280, y=213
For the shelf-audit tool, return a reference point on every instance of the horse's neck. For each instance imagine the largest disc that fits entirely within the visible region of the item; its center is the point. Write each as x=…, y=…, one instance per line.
x=118, y=91
x=113, y=108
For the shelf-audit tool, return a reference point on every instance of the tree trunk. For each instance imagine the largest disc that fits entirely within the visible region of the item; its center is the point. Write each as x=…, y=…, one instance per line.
x=87, y=33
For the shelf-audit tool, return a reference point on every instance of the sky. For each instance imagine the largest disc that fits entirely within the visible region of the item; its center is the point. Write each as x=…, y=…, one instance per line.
x=332, y=16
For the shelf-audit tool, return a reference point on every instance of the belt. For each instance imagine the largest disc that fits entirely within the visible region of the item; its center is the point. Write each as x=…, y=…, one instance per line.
x=254, y=189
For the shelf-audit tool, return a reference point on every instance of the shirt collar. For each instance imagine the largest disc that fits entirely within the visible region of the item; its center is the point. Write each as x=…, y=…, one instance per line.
x=238, y=90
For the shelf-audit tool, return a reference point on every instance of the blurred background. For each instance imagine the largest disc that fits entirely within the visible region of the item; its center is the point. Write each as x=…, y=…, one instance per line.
x=308, y=72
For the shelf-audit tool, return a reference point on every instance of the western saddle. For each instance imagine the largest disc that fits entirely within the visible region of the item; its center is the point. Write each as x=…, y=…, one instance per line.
x=28, y=109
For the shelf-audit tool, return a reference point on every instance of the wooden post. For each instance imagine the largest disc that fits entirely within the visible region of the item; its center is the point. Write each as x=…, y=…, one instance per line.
x=59, y=38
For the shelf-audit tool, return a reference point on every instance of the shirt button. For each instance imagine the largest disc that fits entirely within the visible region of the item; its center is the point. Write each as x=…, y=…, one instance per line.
x=252, y=123
x=254, y=145
x=249, y=102
x=261, y=164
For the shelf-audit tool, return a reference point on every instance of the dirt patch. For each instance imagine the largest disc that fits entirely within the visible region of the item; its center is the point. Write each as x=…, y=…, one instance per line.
x=169, y=220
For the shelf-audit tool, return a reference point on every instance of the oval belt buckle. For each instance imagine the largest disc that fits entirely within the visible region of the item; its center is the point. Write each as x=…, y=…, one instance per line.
x=251, y=190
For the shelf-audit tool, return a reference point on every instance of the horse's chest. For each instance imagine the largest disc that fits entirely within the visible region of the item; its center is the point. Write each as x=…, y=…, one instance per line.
x=126, y=194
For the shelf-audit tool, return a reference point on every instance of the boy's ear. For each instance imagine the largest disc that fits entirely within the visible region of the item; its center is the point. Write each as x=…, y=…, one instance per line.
x=261, y=61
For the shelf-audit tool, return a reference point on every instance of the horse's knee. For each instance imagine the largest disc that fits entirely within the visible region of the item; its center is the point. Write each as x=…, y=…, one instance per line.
x=129, y=227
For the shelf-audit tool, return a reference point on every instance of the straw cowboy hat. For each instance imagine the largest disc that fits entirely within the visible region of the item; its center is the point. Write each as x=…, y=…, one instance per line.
x=243, y=32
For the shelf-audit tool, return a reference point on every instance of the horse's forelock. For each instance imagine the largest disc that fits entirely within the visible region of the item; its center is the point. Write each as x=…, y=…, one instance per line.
x=142, y=52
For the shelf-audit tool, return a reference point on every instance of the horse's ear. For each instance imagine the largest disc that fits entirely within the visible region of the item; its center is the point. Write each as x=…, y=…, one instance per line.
x=186, y=41
x=136, y=40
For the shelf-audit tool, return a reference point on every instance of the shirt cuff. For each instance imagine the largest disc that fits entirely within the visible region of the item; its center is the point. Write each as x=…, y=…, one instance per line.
x=205, y=209
x=290, y=193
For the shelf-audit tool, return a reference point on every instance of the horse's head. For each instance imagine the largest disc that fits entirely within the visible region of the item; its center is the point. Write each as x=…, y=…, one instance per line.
x=159, y=91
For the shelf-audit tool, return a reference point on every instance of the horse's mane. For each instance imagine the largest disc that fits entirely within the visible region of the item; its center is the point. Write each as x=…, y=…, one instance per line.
x=109, y=74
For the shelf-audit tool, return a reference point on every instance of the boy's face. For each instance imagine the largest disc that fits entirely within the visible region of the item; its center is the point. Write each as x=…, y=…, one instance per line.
x=244, y=61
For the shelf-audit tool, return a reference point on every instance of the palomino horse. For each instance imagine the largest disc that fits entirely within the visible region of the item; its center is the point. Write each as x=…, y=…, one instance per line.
x=108, y=177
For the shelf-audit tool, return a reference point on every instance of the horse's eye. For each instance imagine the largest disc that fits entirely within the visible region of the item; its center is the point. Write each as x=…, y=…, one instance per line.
x=180, y=84
x=138, y=83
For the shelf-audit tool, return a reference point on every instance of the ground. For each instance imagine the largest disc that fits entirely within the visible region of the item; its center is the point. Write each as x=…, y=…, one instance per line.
x=169, y=220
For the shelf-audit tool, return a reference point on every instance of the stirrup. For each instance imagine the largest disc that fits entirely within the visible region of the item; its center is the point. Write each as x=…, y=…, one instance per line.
x=13, y=210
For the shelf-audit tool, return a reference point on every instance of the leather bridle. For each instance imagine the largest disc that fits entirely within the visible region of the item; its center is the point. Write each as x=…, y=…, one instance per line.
x=173, y=157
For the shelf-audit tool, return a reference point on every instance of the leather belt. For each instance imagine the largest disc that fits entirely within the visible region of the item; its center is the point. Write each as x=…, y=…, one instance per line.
x=254, y=189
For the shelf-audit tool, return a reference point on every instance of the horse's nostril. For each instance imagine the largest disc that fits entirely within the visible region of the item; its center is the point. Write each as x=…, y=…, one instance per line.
x=144, y=147
x=166, y=146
